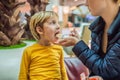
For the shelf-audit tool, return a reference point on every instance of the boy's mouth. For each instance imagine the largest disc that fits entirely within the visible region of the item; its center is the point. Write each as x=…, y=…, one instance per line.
x=58, y=35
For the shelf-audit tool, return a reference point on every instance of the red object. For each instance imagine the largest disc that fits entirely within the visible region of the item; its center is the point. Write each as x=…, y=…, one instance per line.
x=93, y=78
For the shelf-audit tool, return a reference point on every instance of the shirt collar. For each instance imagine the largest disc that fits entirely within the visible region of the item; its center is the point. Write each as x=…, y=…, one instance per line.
x=97, y=25
x=115, y=25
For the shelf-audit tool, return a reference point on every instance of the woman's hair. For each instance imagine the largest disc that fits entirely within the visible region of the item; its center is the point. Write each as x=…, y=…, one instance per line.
x=38, y=19
x=115, y=1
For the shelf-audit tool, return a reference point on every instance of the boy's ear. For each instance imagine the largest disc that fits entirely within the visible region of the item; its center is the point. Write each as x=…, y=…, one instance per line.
x=39, y=30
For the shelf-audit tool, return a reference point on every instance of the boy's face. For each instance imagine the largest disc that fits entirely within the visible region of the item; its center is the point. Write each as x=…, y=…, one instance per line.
x=51, y=29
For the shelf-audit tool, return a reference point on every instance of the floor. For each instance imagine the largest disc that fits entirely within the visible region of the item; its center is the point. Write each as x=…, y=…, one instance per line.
x=10, y=62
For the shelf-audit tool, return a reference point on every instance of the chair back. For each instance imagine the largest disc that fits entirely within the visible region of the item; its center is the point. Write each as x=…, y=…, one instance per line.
x=74, y=68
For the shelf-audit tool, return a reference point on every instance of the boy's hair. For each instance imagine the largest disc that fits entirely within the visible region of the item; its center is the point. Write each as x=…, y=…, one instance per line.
x=38, y=19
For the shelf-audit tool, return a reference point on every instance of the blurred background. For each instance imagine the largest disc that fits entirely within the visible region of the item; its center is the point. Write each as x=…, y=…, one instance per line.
x=70, y=12
x=14, y=28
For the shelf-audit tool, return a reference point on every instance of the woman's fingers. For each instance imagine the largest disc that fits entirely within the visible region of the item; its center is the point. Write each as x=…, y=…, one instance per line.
x=70, y=41
x=75, y=33
x=61, y=42
x=64, y=42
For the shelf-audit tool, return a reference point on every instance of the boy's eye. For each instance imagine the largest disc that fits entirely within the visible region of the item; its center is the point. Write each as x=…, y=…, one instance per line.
x=53, y=22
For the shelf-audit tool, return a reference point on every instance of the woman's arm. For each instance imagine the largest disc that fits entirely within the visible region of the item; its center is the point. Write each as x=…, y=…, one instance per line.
x=107, y=67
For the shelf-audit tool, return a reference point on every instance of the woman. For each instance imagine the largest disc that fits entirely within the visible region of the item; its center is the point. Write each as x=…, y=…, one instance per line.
x=103, y=59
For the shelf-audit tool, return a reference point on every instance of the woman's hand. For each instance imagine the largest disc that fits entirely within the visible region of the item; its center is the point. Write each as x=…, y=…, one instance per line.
x=71, y=40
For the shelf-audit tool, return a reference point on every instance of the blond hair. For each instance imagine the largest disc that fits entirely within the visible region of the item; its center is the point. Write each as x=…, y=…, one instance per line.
x=38, y=19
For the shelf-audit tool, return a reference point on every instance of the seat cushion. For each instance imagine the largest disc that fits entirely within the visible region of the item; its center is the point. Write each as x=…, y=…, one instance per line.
x=74, y=68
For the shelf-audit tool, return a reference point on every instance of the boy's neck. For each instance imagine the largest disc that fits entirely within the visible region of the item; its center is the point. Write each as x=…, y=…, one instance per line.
x=44, y=43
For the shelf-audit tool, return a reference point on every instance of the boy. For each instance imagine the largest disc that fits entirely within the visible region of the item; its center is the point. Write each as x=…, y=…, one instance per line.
x=43, y=60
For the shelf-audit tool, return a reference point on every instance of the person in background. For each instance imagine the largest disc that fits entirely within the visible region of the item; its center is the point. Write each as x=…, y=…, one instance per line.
x=103, y=59
x=43, y=5
x=36, y=6
x=43, y=60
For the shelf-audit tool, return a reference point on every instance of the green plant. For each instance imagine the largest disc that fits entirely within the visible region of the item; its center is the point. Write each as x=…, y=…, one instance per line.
x=11, y=30
x=14, y=46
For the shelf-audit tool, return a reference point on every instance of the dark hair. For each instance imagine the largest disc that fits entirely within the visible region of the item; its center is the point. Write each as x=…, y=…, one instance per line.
x=115, y=1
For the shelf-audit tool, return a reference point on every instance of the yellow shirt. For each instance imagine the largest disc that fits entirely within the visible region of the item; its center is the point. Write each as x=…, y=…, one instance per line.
x=43, y=63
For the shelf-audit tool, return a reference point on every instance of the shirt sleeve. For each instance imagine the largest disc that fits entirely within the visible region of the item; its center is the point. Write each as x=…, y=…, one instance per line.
x=23, y=74
x=63, y=69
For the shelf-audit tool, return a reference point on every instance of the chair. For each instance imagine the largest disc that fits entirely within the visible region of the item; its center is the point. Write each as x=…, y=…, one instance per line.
x=74, y=68
x=86, y=34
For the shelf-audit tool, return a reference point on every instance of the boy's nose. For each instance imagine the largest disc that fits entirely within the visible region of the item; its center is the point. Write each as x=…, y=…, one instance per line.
x=58, y=26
